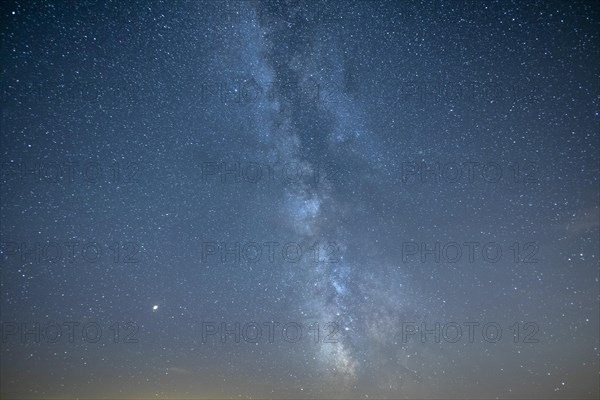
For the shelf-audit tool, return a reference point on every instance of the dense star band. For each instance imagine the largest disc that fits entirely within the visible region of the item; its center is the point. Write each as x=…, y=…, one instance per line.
x=299, y=199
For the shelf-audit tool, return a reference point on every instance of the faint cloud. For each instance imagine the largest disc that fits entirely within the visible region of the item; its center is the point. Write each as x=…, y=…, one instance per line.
x=585, y=220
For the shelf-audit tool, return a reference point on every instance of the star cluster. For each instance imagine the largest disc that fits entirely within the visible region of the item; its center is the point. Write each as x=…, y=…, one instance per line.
x=294, y=199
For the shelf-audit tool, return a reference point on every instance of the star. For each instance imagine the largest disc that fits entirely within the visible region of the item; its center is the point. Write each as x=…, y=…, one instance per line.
x=333, y=198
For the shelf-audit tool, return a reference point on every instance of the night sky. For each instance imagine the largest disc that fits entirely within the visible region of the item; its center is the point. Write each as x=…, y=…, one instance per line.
x=294, y=199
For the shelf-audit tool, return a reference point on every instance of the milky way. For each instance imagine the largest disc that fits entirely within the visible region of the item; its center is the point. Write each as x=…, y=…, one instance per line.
x=288, y=199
